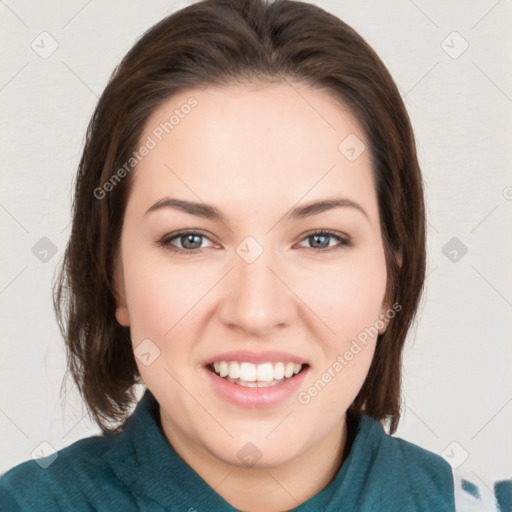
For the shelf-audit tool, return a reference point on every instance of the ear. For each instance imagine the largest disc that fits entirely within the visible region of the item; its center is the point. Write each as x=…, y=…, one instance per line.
x=386, y=303
x=399, y=257
x=122, y=313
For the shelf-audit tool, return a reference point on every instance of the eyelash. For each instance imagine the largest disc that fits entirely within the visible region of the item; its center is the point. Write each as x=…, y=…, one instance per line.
x=165, y=242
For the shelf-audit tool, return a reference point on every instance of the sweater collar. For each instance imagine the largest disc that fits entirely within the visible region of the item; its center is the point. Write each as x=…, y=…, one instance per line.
x=146, y=462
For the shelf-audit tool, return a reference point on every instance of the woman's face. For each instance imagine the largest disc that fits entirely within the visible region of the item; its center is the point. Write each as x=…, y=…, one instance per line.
x=253, y=291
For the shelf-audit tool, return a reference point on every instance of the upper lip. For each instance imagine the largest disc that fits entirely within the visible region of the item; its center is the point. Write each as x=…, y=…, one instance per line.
x=271, y=356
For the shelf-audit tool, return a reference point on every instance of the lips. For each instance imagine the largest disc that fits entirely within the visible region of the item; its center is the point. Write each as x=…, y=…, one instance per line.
x=250, y=379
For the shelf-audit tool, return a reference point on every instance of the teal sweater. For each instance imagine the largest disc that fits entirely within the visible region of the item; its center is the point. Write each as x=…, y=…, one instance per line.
x=138, y=470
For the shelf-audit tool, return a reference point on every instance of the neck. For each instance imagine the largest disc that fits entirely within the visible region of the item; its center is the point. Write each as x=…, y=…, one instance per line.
x=266, y=489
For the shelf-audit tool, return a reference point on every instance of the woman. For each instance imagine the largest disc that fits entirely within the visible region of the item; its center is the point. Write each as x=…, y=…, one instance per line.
x=248, y=244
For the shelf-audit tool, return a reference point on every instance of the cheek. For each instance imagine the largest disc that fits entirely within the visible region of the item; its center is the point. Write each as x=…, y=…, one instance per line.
x=161, y=304
x=154, y=293
x=345, y=294
x=349, y=304
x=157, y=300
x=347, y=297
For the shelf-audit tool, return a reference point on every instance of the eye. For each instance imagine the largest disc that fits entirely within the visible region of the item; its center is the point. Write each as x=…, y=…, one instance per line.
x=320, y=240
x=189, y=242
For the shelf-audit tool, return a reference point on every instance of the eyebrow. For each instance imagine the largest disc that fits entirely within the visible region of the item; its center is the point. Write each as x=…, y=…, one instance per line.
x=211, y=212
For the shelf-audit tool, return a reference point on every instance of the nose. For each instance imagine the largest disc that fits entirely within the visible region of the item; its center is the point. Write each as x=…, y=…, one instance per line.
x=257, y=299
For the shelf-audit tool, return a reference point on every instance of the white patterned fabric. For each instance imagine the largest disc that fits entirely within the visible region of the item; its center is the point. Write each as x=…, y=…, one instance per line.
x=473, y=495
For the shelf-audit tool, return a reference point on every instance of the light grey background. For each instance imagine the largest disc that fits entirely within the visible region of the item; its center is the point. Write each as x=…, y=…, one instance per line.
x=457, y=378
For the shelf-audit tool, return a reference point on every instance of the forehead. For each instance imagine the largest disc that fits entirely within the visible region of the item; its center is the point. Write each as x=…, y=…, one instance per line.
x=254, y=143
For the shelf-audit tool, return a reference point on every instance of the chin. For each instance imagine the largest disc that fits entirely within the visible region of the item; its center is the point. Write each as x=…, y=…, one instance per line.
x=258, y=453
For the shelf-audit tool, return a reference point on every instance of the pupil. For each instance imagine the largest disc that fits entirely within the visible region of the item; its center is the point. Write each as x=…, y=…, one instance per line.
x=189, y=238
x=316, y=237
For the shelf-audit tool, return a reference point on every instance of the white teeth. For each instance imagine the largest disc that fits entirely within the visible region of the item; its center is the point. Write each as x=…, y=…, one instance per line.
x=253, y=384
x=256, y=375
x=223, y=369
x=247, y=372
x=278, y=371
x=234, y=370
x=265, y=372
x=288, y=370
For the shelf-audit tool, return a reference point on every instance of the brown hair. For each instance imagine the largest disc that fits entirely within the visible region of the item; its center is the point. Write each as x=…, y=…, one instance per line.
x=221, y=42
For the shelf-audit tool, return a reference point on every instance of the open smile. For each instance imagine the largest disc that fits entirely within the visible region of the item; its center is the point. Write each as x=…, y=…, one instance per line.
x=246, y=384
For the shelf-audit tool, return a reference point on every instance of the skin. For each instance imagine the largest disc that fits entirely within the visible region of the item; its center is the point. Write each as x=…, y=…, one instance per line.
x=255, y=151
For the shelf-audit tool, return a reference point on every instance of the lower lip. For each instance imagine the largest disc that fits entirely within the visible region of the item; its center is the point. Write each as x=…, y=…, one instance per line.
x=243, y=396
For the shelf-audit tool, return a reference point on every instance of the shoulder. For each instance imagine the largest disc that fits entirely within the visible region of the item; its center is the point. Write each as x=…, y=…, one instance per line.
x=424, y=464
x=424, y=479
x=61, y=481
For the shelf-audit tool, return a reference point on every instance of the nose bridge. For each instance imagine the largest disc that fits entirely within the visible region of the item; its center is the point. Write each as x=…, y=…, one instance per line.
x=257, y=299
